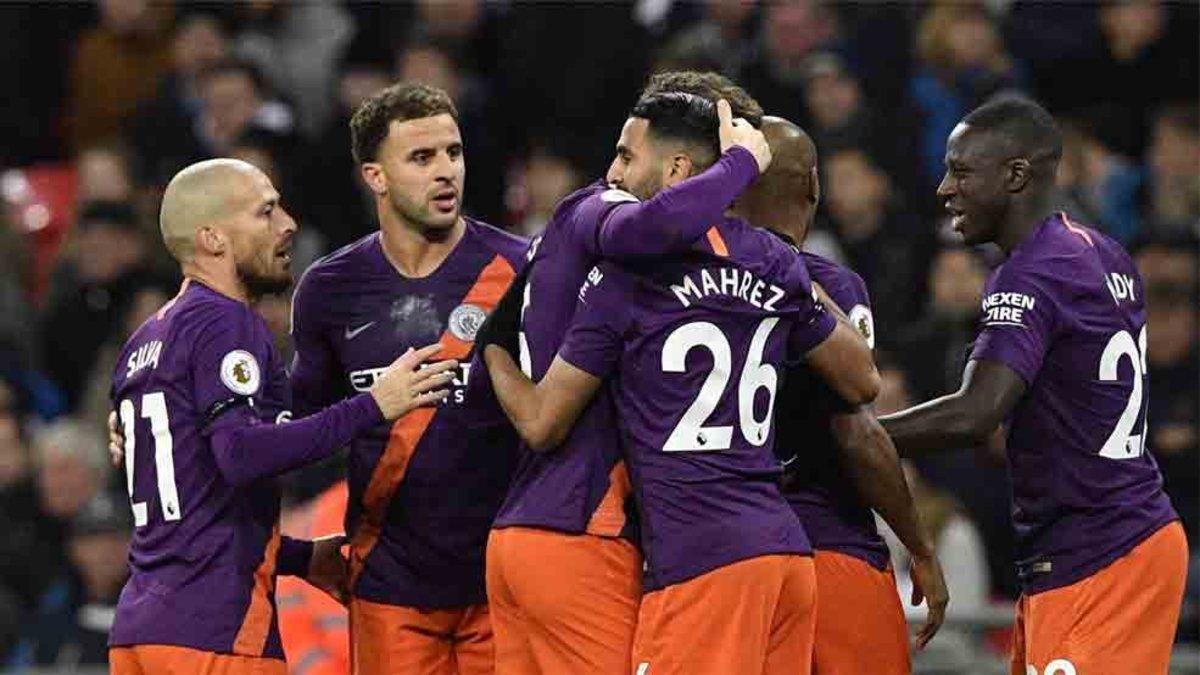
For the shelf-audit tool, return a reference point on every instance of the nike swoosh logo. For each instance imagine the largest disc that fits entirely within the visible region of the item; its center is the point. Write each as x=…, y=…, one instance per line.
x=351, y=334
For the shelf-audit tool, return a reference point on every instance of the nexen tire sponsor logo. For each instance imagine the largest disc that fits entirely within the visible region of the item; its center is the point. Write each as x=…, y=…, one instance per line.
x=363, y=380
x=1006, y=308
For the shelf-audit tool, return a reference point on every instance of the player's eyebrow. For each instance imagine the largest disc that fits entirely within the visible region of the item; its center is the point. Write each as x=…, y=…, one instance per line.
x=623, y=149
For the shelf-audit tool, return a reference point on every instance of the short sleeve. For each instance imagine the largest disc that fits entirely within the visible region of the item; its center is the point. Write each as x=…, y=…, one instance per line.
x=1018, y=321
x=595, y=339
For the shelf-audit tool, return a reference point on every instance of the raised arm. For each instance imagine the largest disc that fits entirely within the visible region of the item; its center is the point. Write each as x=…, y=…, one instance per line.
x=678, y=216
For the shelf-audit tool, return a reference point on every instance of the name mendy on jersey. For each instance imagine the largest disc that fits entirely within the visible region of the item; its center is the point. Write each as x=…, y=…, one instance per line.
x=729, y=281
x=362, y=380
x=1007, y=308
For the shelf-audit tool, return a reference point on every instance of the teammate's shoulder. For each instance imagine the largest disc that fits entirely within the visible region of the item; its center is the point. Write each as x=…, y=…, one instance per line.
x=834, y=276
x=591, y=199
x=511, y=246
x=346, y=257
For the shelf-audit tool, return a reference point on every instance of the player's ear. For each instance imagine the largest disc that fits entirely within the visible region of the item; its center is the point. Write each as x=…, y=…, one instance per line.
x=679, y=167
x=814, y=181
x=374, y=176
x=1017, y=174
x=211, y=240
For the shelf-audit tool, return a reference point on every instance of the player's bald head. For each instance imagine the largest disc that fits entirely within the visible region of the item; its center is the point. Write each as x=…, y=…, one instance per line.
x=201, y=195
x=785, y=197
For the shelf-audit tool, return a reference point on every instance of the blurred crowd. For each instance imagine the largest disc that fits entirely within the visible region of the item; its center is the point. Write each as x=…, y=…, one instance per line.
x=105, y=101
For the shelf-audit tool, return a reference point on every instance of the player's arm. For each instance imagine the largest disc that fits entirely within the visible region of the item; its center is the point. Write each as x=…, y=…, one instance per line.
x=247, y=449
x=314, y=373
x=843, y=359
x=678, y=216
x=542, y=413
x=965, y=418
x=1020, y=322
x=871, y=461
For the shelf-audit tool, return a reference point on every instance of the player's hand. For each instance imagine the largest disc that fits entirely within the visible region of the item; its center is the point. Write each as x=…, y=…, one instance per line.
x=739, y=132
x=929, y=584
x=116, y=441
x=404, y=385
x=328, y=569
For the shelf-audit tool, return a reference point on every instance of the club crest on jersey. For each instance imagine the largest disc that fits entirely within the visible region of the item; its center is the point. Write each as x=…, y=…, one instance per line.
x=239, y=372
x=860, y=317
x=465, y=321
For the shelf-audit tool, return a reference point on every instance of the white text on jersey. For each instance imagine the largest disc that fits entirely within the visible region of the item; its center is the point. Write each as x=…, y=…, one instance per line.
x=146, y=355
x=729, y=281
x=1006, y=308
x=1121, y=287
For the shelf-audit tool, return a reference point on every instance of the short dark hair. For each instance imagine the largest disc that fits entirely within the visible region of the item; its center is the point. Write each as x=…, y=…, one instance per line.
x=1023, y=123
x=710, y=85
x=399, y=102
x=683, y=117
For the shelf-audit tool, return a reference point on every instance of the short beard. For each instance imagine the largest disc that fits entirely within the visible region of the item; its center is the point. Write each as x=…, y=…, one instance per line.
x=258, y=286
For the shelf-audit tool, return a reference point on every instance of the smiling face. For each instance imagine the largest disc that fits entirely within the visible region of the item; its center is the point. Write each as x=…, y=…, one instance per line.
x=974, y=190
x=420, y=172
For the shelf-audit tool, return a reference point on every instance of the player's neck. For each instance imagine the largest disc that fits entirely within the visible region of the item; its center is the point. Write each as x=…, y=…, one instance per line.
x=1023, y=219
x=229, y=286
x=413, y=252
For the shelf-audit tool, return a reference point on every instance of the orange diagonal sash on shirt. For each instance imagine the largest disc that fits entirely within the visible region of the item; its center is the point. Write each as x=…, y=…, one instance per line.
x=251, y=639
x=407, y=431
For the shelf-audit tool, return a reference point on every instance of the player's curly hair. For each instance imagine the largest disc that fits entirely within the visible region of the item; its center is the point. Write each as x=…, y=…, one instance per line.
x=710, y=85
x=400, y=102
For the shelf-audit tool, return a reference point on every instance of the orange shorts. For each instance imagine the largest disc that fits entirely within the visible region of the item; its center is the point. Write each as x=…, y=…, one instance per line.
x=172, y=660
x=1121, y=619
x=860, y=622
x=562, y=603
x=753, y=616
x=388, y=639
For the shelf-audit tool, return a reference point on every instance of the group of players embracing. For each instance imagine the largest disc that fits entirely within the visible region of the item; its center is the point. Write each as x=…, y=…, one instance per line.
x=641, y=443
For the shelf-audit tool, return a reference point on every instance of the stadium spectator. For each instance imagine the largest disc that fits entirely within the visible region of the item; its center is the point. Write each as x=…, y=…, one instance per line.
x=883, y=242
x=841, y=116
x=343, y=211
x=116, y=67
x=71, y=623
x=101, y=271
x=434, y=64
x=547, y=175
x=1174, y=171
x=297, y=46
x=1169, y=276
x=161, y=128
x=962, y=62
x=719, y=40
x=104, y=174
x=934, y=344
x=792, y=31
x=1101, y=184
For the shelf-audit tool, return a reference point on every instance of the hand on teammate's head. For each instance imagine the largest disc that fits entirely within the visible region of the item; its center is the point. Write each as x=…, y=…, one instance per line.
x=737, y=131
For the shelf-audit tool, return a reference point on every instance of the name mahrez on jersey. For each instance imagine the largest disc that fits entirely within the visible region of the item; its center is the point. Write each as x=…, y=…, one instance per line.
x=1006, y=308
x=731, y=281
x=145, y=356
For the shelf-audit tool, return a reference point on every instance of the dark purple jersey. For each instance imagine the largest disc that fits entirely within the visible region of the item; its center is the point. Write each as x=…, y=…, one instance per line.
x=423, y=491
x=693, y=346
x=1066, y=312
x=825, y=497
x=204, y=551
x=578, y=487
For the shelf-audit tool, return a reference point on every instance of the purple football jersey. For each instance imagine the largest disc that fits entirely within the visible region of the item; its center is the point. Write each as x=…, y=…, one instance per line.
x=694, y=345
x=561, y=490
x=423, y=491
x=1066, y=311
x=202, y=559
x=826, y=500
